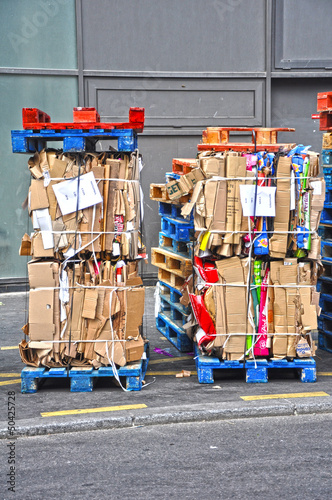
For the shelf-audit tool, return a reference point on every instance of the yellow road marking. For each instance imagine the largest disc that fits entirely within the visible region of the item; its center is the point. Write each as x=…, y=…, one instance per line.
x=92, y=410
x=169, y=373
x=321, y=374
x=6, y=348
x=8, y=375
x=285, y=396
x=8, y=382
x=169, y=360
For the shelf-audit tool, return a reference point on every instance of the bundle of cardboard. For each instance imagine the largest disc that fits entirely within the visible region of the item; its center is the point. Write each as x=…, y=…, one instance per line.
x=86, y=298
x=107, y=217
x=257, y=254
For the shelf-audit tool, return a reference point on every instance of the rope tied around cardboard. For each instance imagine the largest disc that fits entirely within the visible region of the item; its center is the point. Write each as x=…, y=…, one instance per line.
x=96, y=179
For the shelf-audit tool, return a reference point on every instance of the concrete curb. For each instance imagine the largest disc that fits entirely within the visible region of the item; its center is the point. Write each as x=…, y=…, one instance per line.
x=160, y=416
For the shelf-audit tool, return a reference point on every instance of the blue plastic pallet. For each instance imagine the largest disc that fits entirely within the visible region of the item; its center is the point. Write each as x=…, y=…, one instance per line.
x=325, y=341
x=176, y=312
x=325, y=303
x=256, y=371
x=173, y=331
x=74, y=140
x=325, y=232
x=182, y=248
x=173, y=211
x=326, y=216
x=173, y=293
x=325, y=323
x=82, y=378
x=324, y=285
x=327, y=171
x=179, y=230
x=326, y=250
x=171, y=176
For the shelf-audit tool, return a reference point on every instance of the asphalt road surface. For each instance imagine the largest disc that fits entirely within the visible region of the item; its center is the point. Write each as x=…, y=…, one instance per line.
x=263, y=458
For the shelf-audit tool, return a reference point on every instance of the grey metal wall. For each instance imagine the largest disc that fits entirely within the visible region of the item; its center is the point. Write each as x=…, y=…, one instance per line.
x=191, y=64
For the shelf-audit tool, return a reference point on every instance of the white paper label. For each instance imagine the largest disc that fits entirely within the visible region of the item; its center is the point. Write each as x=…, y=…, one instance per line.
x=116, y=249
x=265, y=201
x=47, y=177
x=317, y=188
x=88, y=193
x=293, y=191
x=43, y=220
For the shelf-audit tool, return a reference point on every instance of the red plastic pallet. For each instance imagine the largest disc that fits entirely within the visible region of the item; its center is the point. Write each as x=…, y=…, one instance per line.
x=324, y=101
x=84, y=119
x=183, y=166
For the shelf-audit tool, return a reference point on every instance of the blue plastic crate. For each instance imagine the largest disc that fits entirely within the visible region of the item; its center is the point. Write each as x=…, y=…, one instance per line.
x=173, y=331
x=179, y=230
x=82, y=378
x=74, y=140
x=324, y=285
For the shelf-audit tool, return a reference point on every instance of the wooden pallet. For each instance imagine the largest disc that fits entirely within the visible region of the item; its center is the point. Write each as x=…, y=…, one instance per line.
x=169, y=261
x=158, y=192
x=82, y=378
x=171, y=279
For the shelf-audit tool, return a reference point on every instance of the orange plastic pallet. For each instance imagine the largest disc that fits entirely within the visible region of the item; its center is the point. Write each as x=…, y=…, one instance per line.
x=260, y=135
x=244, y=146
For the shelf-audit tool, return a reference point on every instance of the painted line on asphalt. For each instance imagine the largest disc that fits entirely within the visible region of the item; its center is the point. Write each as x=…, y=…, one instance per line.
x=8, y=375
x=6, y=348
x=169, y=373
x=92, y=410
x=320, y=374
x=169, y=360
x=9, y=382
x=285, y=396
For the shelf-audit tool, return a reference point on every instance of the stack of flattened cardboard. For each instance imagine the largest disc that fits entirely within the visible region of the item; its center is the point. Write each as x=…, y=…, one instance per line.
x=257, y=254
x=86, y=298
